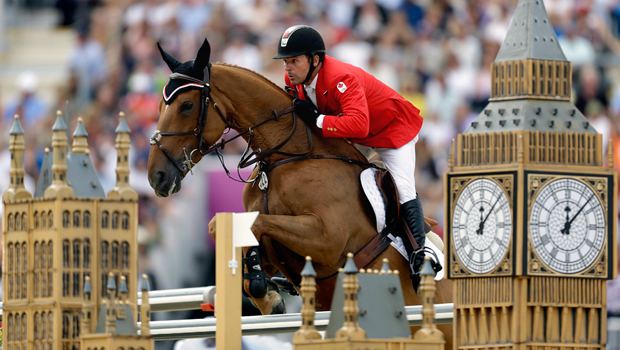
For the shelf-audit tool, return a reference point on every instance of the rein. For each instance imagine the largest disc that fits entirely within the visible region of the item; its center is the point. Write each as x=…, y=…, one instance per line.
x=247, y=159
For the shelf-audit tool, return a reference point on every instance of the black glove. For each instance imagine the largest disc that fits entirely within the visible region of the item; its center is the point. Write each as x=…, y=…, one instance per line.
x=306, y=111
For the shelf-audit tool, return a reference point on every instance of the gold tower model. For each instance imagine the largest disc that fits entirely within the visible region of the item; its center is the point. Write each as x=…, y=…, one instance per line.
x=531, y=203
x=385, y=322
x=68, y=233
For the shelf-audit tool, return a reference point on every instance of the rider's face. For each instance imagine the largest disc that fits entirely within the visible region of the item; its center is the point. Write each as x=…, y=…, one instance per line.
x=297, y=68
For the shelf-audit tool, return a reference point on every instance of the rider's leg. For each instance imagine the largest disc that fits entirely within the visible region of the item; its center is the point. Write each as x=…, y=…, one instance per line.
x=401, y=164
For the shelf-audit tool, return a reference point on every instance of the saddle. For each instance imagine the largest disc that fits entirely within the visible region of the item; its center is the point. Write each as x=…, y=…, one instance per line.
x=381, y=197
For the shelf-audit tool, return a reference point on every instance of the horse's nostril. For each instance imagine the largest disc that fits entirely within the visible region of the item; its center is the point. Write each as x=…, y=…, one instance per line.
x=157, y=179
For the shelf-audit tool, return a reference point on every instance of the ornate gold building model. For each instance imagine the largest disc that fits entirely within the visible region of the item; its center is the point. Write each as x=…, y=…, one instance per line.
x=386, y=324
x=67, y=248
x=531, y=201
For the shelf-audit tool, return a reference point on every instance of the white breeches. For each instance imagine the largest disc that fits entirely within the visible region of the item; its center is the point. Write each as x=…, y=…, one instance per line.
x=400, y=162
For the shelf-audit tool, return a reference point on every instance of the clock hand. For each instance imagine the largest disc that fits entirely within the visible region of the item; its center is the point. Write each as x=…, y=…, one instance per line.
x=481, y=227
x=566, y=228
x=566, y=223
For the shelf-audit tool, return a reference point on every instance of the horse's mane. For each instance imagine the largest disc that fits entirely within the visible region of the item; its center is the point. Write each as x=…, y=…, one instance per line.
x=255, y=74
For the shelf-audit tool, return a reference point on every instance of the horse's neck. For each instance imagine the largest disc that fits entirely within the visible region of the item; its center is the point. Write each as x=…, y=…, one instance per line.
x=253, y=99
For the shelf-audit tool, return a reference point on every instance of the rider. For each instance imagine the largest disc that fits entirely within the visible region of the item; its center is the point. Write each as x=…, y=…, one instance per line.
x=344, y=101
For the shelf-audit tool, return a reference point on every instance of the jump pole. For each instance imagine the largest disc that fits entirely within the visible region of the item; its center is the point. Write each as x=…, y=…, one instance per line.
x=232, y=232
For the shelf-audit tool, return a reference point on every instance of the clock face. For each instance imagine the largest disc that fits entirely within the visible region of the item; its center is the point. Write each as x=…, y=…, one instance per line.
x=567, y=225
x=482, y=226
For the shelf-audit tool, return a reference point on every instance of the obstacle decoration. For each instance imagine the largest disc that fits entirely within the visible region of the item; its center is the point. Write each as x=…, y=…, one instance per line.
x=68, y=247
x=531, y=203
x=358, y=321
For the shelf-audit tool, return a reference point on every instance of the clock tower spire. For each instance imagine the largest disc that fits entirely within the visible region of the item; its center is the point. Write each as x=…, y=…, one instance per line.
x=530, y=202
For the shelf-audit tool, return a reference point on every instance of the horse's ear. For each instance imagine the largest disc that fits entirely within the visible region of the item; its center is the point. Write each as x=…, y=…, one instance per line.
x=203, y=56
x=170, y=61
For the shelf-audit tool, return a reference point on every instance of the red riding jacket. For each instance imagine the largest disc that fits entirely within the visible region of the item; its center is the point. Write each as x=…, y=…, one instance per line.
x=358, y=106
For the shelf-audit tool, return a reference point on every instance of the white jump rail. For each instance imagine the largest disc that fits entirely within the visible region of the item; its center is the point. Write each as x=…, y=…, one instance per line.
x=179, y=299
x=270, y=324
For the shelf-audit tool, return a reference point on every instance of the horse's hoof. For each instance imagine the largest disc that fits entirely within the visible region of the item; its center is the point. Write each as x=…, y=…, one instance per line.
x=258, y=287
x=279, y=307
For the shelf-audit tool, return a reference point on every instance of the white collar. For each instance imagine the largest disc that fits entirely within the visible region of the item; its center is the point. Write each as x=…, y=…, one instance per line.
x=313, y=83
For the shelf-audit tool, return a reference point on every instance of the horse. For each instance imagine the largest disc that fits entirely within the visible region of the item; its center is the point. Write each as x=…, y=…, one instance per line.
x=305, y=187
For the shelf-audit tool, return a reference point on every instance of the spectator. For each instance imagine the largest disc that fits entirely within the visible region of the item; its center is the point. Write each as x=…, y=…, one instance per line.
x=28, y=105
x=88, y=65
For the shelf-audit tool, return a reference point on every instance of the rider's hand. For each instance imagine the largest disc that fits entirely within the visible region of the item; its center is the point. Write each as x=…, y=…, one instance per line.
x=306, y=111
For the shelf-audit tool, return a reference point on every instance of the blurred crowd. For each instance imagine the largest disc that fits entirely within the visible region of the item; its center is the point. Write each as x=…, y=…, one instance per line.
x=436, y=53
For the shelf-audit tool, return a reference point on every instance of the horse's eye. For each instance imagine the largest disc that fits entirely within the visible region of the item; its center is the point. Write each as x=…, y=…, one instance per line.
x=186, y=106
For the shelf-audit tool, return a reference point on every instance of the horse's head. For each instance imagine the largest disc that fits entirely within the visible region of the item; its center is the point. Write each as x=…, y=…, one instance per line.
x=183, y=131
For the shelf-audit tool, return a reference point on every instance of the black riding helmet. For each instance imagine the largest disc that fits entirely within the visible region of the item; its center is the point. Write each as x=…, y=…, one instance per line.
x=301, y=40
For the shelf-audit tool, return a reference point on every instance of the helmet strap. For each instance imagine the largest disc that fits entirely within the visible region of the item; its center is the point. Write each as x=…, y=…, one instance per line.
x=312, y=67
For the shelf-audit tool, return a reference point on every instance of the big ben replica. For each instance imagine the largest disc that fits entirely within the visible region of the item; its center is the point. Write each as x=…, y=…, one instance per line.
x=530, y=197
x=68, y=246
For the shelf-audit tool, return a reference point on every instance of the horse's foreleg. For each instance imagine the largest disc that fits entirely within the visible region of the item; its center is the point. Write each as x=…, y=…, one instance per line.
x=305, y=235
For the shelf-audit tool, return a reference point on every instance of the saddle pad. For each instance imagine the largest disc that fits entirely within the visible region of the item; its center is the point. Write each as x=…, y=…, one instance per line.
x=369, y=185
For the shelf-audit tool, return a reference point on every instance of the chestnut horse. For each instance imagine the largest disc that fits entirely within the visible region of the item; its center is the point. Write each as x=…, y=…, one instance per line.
x=307, y=187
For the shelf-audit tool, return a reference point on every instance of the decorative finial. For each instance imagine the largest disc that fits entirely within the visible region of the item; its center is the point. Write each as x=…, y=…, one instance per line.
x=122, y=190
x=111, y=286
x=122, y=127
x=16, y=189
x=87, y=286
x=351, y=329
x=307, y=331
x=145, y=306
x=59, y=124
x=80, y=135
x=16, y=128
x=385, y=267
x=428, y=331
x=145, y=285
x=308, y=269
x=349, y=266
x=122, y=288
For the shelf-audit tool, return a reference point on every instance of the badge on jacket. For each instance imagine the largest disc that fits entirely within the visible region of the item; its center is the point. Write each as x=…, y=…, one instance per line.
x=341, y=87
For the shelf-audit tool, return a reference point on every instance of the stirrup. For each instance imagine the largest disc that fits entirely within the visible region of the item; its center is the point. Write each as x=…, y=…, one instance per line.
x=415, y=270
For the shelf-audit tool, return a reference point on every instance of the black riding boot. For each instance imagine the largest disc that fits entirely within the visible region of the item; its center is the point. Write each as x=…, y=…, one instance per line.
x=413, y=216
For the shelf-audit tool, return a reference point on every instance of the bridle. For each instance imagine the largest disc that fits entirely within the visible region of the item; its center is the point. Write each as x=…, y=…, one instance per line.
x=248, y=158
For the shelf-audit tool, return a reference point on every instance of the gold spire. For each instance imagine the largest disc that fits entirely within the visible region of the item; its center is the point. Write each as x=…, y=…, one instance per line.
x=308, y=290
x=80, y=138
x=110, y=319
x=87, y=307
x=122, y=190
x=16, y=190
x=145, y=307
x=351, y=329
x=428, y=331
x=59, y=187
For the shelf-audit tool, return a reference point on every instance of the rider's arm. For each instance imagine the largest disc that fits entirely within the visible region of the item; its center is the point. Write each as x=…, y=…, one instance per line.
x=354, y=120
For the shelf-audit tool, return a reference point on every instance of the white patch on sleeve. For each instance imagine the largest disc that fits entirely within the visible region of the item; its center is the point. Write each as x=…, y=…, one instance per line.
x=341, y=87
